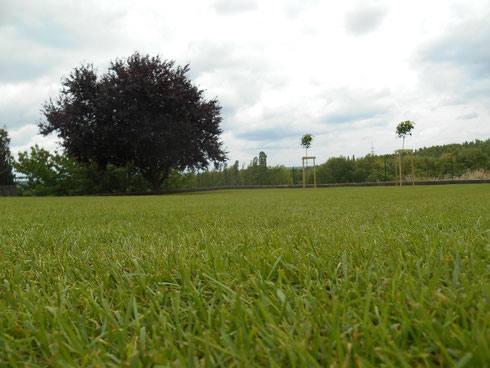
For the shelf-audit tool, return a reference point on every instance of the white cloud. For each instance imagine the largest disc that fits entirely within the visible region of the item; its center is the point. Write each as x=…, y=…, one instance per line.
x=227, y=7
x=24, y=138
x=346, y=72
x=469, y=116
x=365, y=19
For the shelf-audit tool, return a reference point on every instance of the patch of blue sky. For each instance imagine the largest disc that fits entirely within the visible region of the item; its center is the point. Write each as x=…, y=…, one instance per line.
x=472, y=54
x=48, y=34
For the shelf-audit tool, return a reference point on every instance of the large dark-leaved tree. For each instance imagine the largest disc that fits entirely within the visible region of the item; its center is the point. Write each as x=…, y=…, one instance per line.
x=144, y=112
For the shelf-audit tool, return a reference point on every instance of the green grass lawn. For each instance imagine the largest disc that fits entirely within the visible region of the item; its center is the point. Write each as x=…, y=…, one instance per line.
x=369, y=277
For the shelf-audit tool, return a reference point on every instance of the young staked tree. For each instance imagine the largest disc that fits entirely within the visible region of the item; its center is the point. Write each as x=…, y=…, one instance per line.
x=306, y=142
x=403, y=129
x=6, y=172
x=144, y=111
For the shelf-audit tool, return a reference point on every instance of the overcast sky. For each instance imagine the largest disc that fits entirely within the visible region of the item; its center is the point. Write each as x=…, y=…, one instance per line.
x=347, y=72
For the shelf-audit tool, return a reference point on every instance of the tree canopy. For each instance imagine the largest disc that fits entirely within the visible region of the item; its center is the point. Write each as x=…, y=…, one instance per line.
x=144, y=111
x=306, y=142
x=403, y=129
x=6, y=174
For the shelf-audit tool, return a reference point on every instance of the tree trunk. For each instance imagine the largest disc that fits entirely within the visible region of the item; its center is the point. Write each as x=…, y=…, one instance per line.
x=155, y=184
x=156, y=178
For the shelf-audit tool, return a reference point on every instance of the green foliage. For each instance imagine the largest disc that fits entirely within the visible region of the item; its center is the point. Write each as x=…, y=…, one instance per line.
x=372, y=277
x=437, y=151
x=403, y=129
x=306, y=142
x=430, y=163
x=6, y=173
x=58, y=174
x=337, y=170
x=474, y=158
x=39, y=171
x=43, y=173
x=256, y=173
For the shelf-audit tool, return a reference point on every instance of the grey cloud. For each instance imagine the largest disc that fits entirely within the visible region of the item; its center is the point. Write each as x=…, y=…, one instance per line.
x=214, y=56
x=236, y=74
x=475, y=89
x=364, y=19
x=268, y=134
x=16, y=68
x=60, y=25
x=227, y=112
x=25, y=60
x=7, y=12
x=28, y=62
x=346, y=109
x=466, y=47
x=226, y=7
x=468, y=116
x=17, y=116
x=277, y=125
x=48, y=34
x=43, y=36
x=22, y=140
x=207, y=56
x=456, y=65
x=347, y=106
x=238, y=88
x=21, y=137
x=347, y=117
x=37, y=23
x=21, y=103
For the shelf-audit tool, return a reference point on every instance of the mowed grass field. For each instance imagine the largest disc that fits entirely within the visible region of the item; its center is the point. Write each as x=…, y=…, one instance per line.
x=364, y=277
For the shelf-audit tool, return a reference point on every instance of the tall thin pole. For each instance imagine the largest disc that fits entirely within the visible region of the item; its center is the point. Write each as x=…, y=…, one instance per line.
x=413, y=172
x=314, y=172
x=396, y=171
x=304, y=182
x=400, y=162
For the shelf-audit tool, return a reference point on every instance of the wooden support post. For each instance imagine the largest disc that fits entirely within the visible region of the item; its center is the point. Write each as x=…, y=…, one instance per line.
x=413, y=172
x=314, y=172
x=401, y=176
x=304, y=181
x=398, y=166
x=396, y=172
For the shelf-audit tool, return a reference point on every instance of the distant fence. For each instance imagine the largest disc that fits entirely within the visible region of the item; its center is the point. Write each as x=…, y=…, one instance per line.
x=290, y=186
x=8, y=190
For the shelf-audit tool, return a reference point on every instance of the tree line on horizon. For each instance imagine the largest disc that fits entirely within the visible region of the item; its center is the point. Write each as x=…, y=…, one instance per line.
x=43, y=173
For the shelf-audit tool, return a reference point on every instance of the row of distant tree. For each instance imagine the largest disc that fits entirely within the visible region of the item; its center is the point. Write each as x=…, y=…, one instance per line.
x=437, y=162
x=40, y=172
